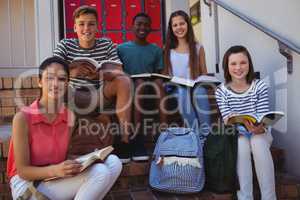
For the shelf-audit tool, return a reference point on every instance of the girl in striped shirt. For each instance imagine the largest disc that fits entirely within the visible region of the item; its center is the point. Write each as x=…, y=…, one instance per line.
x=243, y=94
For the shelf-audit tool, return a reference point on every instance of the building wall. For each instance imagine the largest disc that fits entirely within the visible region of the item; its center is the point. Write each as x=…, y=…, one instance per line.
x=17, y=40
x=281, y=18
x=30, y=33
x=173, y=5
x=197, y=27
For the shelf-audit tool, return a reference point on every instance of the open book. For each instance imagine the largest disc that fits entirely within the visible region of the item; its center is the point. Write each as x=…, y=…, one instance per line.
x=88, y=159
x=102, y=64
x=98, y=155
x=268, y=119
x=192, y=83
x=179, y=80
x=151, y=75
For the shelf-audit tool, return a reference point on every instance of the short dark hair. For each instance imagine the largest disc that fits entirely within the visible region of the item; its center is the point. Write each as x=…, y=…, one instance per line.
x=237, y=49
x=48, y=61
x=82, y=10
x=141, y=14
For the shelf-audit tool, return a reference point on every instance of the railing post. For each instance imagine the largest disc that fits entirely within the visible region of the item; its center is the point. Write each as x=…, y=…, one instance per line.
x=208, y=3
x=286, y=52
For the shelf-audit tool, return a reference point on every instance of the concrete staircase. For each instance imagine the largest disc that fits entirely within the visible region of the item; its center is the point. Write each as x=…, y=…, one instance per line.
x=133, y=182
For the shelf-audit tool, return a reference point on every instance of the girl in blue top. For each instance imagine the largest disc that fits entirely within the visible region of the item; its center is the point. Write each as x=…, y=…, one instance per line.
x=243, y=94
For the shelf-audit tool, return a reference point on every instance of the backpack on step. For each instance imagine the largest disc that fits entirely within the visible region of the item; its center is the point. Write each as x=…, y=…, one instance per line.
x=177, y=164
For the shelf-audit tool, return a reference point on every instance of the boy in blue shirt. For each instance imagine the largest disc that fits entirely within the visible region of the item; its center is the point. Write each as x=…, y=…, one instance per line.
x=139, y=56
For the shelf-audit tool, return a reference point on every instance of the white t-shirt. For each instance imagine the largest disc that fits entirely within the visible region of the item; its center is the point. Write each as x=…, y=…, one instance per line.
x=180, y=63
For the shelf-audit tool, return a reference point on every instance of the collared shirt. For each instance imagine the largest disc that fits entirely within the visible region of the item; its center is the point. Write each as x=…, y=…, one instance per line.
x=48, y=141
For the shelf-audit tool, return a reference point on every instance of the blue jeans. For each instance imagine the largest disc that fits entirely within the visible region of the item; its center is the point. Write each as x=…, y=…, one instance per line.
x=194, y=108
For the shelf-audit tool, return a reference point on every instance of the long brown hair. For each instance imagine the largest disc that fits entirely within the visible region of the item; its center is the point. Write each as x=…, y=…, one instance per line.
x=172, y=43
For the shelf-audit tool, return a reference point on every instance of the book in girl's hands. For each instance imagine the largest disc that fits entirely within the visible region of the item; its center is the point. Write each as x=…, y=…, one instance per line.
x=268, y=119
x=151, y=75
x=192, y=83
x=180, y=80
x=98, y=155
x=88, y=159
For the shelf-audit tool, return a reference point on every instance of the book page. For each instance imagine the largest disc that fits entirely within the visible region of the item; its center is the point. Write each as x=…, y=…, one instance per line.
x=206, y=78
x=109, y=64
x=240, y=118
x=144, y=75
x=183, y=81
x=161, y=75
x=272, y=117
x=85, y=157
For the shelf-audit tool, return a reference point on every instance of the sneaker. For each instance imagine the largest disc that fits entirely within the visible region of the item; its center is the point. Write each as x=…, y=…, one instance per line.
x=140, y=154
x=122, y=150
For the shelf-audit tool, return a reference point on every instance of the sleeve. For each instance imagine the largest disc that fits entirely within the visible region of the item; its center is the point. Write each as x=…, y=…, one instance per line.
x=112, y=52
x=159, y=64
x=222, y=102
x=262, y=98
x=61, y=50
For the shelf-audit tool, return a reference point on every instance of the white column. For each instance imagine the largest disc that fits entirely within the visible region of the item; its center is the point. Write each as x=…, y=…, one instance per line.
x=46, y=15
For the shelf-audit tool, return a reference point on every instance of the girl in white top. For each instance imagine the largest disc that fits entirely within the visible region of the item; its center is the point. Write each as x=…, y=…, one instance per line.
x=185, y=58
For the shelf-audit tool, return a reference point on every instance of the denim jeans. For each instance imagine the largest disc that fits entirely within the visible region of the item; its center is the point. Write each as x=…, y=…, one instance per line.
x=194, y=108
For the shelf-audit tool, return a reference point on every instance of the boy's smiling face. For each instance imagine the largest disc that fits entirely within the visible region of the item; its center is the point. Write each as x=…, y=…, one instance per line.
x=141, y=27
x=86, y=28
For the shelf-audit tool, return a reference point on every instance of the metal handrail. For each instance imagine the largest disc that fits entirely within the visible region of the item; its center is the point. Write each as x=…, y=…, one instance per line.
x=260, y=27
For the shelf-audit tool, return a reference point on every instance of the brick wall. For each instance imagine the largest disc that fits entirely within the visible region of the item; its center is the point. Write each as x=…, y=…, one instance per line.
x=14, y=90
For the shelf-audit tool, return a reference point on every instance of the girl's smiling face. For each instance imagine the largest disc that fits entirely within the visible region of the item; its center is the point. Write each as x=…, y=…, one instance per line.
x=54, y=82
x=238, y=66
x=179, y=27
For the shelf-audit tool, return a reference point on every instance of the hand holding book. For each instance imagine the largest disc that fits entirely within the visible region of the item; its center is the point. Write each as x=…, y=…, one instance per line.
x=267, y=119
x=66, y=169
x=255, y=129
x=70, y=168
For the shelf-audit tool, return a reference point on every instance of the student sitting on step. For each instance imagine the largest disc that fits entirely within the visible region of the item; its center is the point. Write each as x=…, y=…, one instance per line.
x=140, y=56
x=39, y=145
x=243, y=94
x=117, y=86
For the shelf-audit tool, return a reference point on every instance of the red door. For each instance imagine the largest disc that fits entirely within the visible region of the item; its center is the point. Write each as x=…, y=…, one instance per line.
x=113, y=21
x=153, y=9
x=113, y=14
x=155, y=37
x=116, y=37
x=132, y=7
x=70, y=6
x=129, y=36
x=71, y=35
x=97, y=5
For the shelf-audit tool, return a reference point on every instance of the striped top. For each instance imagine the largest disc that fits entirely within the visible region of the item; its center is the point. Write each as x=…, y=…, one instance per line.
x=253, y=101
x=104, y=49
